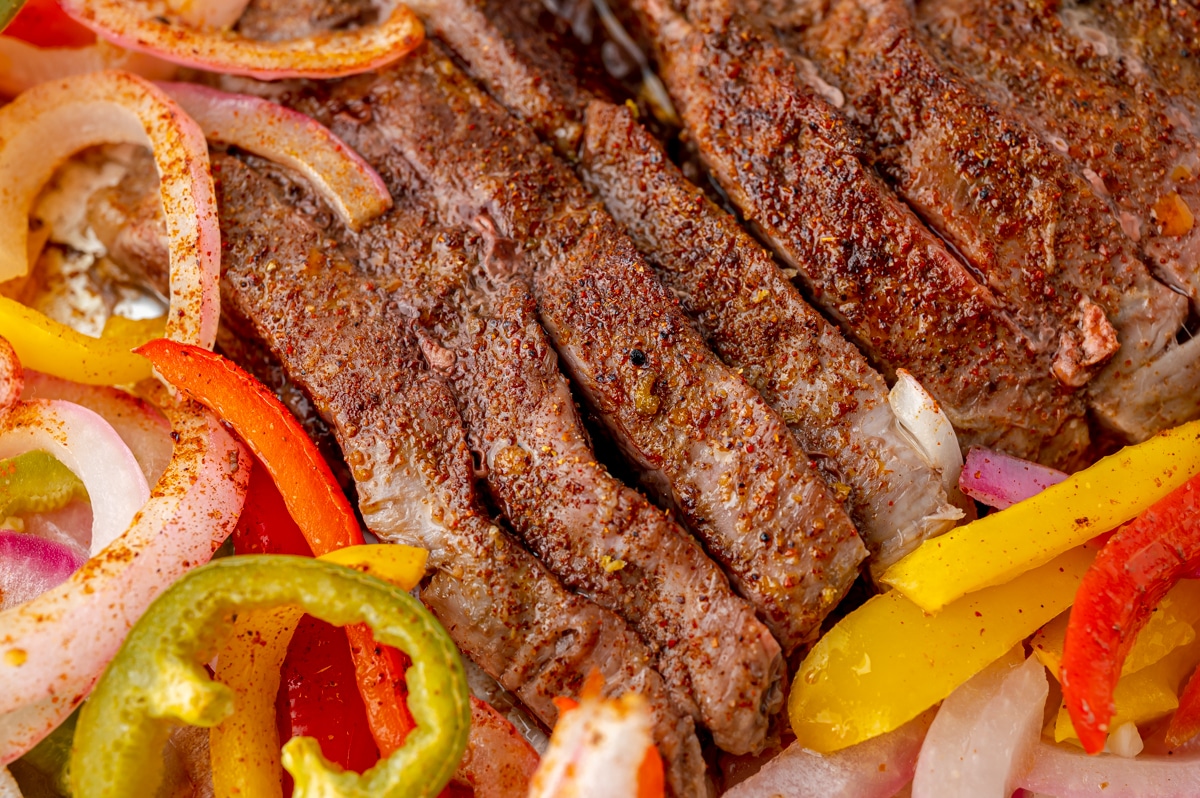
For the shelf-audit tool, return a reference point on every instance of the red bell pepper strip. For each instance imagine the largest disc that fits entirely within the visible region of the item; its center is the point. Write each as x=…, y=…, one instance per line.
x=44, y=24
x=312, y=497
x=1137, y=566
x=1185, y=723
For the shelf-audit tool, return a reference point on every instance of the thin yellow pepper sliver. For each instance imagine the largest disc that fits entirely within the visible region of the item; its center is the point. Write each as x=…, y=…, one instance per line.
x=45, y=345
x=1003, y=545
x=887, y=662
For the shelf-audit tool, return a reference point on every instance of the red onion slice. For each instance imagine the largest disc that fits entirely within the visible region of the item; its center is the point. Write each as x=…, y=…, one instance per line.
x=43, y=127
x=980, y=741
x=876, y=768
x=12, y=377
x=89, y=446
x=29, y=566
x=143, y=429
x=1000, y=480
x=24, y=65
x=1068, y=772
x=54, y=648
x=326, y=55
x=340, y=175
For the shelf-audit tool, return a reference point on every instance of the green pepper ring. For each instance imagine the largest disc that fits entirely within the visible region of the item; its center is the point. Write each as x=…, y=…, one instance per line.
x=157, y=678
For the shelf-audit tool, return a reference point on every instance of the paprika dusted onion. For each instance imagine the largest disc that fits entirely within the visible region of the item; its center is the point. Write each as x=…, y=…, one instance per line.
x=29, y=566
x=322, y=55
x=1000, y=480
x=24, y=65
x=340, y=175
x=54, y=647
x=46, y=125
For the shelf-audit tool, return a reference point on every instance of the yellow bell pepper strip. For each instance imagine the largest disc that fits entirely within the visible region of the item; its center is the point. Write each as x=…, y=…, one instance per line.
x=244, y=748
x=1170, y=626
x=158, y=679
x=1000, y=546
x=1140, y=698
x=1132, y=573
x=887, y=662
x=45, y=345
x=312, y=496
x=36, y=482
x=119, y=328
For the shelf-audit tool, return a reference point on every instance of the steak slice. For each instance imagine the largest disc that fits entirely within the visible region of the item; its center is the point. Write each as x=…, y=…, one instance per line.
x=1037, y=233
x=1126, y=137
x=478, y=328
x=346, y=343
x=751, y=315
x=705, y=439
x=798, y=173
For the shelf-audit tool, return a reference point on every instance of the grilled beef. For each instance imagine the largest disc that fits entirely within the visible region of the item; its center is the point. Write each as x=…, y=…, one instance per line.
x=1126, y=137
x=800, y=175
x=476, y=324
x=1037, y=233
x=344, y=340
x=751, y=315
x=704, y=438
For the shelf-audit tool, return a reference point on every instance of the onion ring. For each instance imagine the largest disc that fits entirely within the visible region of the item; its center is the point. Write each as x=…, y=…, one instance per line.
x=325, y=55
x=47, y=124
x=12, y=377
x=340, y=175
x=24, y=65
x=53, y=648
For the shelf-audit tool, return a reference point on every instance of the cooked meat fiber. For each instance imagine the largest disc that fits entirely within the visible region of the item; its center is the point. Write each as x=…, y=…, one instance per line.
x=752, y=316
x=345, y=342
x=1128, y=139
x=478, y=328
x=798, y=173
x=704, y=438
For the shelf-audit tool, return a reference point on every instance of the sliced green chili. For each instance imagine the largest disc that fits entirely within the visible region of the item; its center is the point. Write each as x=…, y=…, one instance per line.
x=158, y=680
x=8, y=10
x=36, y=482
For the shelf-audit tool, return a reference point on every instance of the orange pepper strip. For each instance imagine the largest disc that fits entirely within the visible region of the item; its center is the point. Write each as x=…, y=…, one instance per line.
x=313, y=498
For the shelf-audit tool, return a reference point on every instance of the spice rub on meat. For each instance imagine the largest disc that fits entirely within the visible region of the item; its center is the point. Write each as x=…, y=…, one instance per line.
x=801, y=176
x=703, y=437
x=750, y=313
x=476, y=324
x=346, y=343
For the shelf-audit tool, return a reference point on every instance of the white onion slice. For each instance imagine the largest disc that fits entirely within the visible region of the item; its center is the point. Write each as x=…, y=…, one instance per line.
x=88, y=445
x=24, y=65
x=340, y=175
x=1000, y=480
x=29, y=566
x=1067, y=772
x=8, y=785
x=875, y=768
x=53, y=649
x=324, y=55
x=499, y=762
x=145, y=431
x=980, y=741
x=922, y=418
x=44, y=126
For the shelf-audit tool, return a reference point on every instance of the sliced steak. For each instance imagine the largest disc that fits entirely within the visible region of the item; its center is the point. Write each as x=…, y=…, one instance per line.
x=799, y=174
x=705, y=439
x=751, y=315
x=478, y=328
x=754, y=317
x=1123, y=134
x=1039, y=235
x=346, y=343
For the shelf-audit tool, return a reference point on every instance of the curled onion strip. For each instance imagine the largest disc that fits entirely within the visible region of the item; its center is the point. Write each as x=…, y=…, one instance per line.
x=24, y=65
x=1068, y=772
x=53, y=648
x=85, y=443
x=143, y=429
x=922, y=418
x=340, y=175
x=51, y=122
x=12, y=377
x=325, y=55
